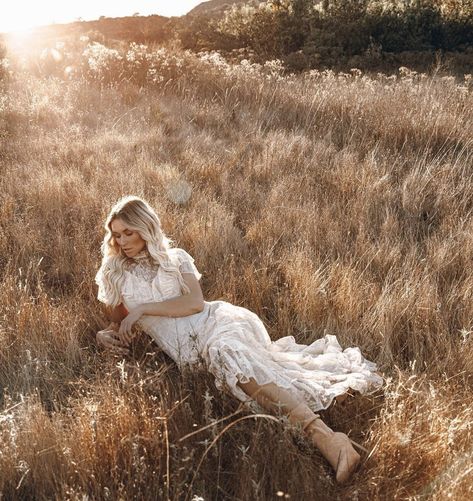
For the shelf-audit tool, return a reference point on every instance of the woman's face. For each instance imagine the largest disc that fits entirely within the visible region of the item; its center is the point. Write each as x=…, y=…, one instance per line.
x=129, y=240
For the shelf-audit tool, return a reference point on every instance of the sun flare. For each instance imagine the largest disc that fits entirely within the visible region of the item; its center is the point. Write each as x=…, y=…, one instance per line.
x=22, y=15
x=20, y=18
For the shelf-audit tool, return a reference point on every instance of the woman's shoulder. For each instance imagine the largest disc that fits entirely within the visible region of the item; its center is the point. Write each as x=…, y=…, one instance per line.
x=185, y=262
x=179, y=254
x=176, y=251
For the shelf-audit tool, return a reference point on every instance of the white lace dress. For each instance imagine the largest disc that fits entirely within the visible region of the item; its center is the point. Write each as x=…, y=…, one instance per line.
x=232, y=342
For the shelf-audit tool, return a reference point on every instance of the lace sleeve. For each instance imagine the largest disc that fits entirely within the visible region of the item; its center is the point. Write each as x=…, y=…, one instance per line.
x=104, y=295
x=186, y=263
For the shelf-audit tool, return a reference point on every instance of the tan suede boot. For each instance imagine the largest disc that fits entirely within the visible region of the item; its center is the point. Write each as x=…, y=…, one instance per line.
x=336, y=448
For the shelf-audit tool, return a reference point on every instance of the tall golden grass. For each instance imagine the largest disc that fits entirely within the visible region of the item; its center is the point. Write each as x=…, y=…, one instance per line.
x=325, y=203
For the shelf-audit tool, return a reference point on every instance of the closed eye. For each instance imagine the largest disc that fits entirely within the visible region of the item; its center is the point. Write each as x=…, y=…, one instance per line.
x=118, y=236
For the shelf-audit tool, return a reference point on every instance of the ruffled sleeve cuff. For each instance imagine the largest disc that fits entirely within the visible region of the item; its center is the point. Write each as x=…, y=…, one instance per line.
x=186, y=263
x=102, y=294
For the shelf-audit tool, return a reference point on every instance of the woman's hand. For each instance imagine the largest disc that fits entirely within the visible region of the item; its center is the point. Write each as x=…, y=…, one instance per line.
x=110, y=340
x=124, y=333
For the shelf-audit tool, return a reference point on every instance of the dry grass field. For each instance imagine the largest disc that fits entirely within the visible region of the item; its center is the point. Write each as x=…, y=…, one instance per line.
x=325, y=203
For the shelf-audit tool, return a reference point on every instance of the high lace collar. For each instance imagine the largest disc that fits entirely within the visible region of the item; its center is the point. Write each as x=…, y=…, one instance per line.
x=143, y=254
x=143, y=257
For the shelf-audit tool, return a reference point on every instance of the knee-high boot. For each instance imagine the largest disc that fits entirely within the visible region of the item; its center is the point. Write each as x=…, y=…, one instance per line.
x=336, y=448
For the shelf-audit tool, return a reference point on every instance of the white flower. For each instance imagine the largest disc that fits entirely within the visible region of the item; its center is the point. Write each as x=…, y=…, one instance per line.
x=99, y=57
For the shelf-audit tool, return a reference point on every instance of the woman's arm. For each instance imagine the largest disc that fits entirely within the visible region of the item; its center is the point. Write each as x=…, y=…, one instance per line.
x=181, y=306
x=118, y=314
x=108, y=337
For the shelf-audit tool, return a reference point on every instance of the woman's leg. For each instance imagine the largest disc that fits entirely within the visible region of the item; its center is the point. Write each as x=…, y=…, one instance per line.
x=335, y=447
x=276, y=399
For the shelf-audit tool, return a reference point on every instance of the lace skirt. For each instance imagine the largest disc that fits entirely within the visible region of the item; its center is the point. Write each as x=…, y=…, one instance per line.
x=235, y=346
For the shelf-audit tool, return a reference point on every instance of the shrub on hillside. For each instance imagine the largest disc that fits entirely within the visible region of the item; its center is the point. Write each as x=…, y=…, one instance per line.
x=272, y=29
x=332, y=32
x=198, y=33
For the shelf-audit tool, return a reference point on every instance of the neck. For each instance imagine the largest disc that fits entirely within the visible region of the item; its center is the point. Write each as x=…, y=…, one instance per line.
x=142, y=255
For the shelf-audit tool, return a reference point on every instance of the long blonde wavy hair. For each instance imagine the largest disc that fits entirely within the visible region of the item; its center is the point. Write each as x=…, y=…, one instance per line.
x=141, y=217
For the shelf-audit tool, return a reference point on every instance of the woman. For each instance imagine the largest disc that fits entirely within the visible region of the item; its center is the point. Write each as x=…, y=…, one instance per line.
x=149, y=283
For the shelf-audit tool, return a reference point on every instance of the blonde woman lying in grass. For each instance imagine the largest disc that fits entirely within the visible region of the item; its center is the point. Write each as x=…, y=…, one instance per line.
x=148, y=282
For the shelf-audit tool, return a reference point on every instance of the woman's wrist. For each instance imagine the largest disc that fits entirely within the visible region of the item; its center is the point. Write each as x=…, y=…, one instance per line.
x=140, y=309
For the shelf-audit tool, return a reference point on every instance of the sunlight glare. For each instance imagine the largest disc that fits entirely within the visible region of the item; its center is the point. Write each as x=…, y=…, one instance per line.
x=19, y=18
x=22, y=15
x=20, y=38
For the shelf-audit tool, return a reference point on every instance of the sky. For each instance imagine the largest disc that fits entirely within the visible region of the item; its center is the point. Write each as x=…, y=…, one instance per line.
x=25, y=14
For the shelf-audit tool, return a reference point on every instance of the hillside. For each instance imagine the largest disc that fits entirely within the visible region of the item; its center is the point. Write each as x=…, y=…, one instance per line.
x=129, y=28
x=215, y=7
